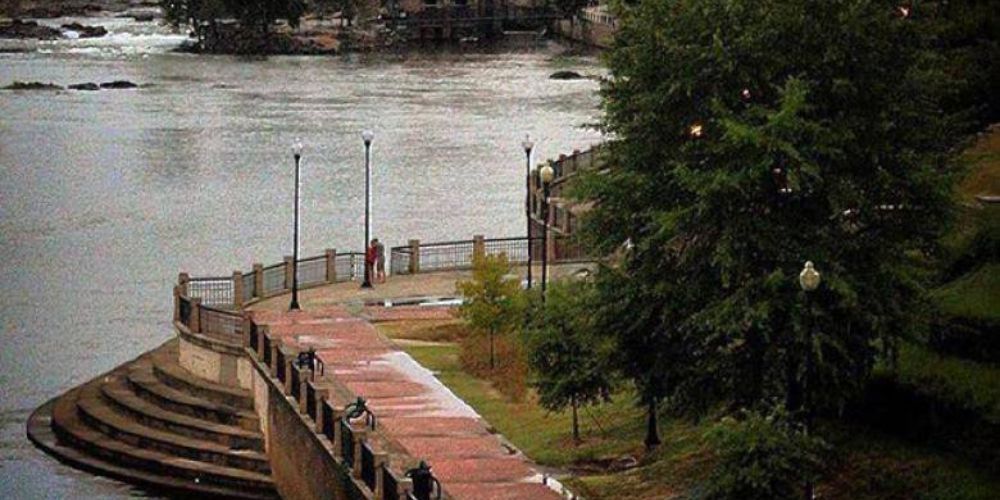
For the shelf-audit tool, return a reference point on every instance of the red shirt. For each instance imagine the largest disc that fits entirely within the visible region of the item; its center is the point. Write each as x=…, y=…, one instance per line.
x=371, y=255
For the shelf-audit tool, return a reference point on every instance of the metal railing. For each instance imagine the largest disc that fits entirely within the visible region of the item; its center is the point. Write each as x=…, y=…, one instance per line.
x=213, y=291
x=311, y=271
x=457, y=255
x=249, y=287
x=399, y=260
x=446, y=256
x=223, y=324
x=350, y=266
x=274, y=279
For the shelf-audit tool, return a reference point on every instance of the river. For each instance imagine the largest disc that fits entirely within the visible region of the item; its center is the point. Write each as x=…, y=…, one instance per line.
x=105, y=196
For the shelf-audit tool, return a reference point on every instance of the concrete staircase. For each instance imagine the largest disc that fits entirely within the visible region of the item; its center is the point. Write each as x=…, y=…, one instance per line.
x=152, y=423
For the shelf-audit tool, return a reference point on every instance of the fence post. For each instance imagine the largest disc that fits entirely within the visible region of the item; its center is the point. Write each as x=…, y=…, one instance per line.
x=182, y=280
x=288, y=272
x=274, y=358
x=238, y=289
x=414, y=266
x=177, y=302
x=478, y=247
x=247, y=329
x=304, y=375
x=338, y=433
x=195, y=315
x=360, y=436
x=331, y=265
x=380, y=460
x=262, y=331
x=404, y=485
x=258, y=281
x=321, y=396
x=288, y=367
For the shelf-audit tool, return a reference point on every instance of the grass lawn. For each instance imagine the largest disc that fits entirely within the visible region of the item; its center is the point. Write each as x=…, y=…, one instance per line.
x=866, y=464
x=974, y=295
x=969, y=384
x=984, y=176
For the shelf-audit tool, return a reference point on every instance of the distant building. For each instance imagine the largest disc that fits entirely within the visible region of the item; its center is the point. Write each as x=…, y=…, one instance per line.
x=594, y=25
x=460, y=19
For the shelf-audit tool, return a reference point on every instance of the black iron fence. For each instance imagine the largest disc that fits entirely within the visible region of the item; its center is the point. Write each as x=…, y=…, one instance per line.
x=350, y=266
x=214, y=291
x=274, y=279
x=249, y=287
x=457, y=255
x=311, y=271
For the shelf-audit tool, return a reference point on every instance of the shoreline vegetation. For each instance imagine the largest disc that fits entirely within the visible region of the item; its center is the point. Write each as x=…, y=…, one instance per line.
x=270, y=28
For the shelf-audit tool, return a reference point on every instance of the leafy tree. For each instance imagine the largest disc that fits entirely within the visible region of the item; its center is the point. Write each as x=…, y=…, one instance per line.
x=966, y=33
x=493, y=303
x=568, y=8
x=255, y=17
x=762, y=456
x=749, y=137
x=569, y=360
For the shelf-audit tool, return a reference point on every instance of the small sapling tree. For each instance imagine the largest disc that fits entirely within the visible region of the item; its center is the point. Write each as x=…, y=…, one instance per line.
x=570, y=362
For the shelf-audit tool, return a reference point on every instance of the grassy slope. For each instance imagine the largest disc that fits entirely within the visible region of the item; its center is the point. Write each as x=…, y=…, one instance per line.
x=971, y=385
x=984, y=174
x=868, y=465
x=974, y=295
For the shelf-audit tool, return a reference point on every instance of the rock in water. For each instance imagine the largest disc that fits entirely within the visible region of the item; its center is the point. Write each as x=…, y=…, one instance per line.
x=28, y=29
x=566, y=75
x=86, y=31
x=32, y=86
x=118, y=84
x=89, y=86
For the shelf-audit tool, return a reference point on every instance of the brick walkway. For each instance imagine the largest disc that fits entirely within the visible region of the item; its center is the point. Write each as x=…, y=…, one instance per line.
x=414, y=410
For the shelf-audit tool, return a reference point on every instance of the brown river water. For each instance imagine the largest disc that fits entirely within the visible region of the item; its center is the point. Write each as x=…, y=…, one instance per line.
x=106, y=196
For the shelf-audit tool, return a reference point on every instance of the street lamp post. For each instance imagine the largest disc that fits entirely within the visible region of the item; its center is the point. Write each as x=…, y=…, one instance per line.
x=545, y=175
x=367, y=136
x=528, y=145
x=294, y=306
x=809, y=280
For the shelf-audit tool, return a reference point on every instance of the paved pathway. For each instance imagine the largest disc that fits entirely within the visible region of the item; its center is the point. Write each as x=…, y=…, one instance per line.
x=415, y=411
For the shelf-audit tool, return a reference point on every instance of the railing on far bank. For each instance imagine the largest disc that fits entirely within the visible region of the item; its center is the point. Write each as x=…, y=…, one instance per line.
x=211, y=305
x=457, y=255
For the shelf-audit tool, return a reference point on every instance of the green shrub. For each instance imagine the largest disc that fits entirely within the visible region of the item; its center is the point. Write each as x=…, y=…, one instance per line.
x=762, y=457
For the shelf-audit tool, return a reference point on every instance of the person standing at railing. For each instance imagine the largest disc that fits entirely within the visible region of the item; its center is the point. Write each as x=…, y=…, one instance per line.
x=379, y=261
x=371, y=255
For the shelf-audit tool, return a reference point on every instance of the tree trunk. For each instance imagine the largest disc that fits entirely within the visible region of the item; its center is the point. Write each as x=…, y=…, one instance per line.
x=652, y=433
x=576, y=422
x=492, y=361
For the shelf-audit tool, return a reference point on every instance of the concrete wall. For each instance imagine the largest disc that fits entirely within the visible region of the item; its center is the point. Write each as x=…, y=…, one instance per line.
x=302, y=463
x=214, y=362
